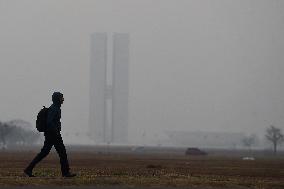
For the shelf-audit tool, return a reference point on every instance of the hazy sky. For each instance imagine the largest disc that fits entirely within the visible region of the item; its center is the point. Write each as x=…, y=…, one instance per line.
x=195, y=64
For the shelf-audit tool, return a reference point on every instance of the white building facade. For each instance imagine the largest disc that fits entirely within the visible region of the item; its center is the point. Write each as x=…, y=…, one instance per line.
x=109, y=88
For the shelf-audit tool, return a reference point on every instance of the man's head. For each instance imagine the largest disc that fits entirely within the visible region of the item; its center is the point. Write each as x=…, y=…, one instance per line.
x=57, y=98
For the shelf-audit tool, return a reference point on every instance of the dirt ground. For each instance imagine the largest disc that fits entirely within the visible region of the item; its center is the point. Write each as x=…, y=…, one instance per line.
x=138, y=170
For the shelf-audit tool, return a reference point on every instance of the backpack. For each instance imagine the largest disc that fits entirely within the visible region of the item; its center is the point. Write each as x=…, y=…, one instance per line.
x=41, y=121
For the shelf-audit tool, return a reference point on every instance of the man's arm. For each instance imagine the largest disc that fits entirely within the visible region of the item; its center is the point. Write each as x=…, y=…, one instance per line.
x=53, y=119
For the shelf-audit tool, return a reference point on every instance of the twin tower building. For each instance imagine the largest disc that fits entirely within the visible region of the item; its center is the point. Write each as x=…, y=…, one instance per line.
x=109, y=88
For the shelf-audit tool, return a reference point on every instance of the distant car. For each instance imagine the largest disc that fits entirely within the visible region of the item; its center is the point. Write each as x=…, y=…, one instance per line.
x=195, y=152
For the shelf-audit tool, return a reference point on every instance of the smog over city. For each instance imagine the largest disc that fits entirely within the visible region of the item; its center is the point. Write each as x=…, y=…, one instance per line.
x=120, y=94
x=170, y=73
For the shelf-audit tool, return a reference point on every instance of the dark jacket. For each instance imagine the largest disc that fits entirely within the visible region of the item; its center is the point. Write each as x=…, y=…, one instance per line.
x=54, y=113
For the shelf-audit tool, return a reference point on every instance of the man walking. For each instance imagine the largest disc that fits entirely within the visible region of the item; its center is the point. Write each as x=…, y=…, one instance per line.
x=53, y=137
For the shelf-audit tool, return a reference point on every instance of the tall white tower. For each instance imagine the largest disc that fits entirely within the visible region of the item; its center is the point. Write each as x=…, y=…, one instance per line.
x=109, y=86
x=120, y=87
x=98, y=58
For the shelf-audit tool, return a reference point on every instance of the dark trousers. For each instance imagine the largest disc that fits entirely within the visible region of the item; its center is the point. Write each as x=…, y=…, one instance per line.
x=52, y=138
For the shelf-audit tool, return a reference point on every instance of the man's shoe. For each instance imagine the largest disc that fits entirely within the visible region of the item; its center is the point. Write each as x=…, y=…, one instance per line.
x=28, y=173
x=69, y=175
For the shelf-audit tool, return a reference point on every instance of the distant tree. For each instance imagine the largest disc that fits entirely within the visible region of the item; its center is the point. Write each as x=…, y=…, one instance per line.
x=20, y=123
x=249, y=141
x=275, y=136
x=24, y=133
x=17, y=132
x=22, y=136
x=5, y=131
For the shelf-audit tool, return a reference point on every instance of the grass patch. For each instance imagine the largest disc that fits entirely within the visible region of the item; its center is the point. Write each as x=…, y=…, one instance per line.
x=98, y=170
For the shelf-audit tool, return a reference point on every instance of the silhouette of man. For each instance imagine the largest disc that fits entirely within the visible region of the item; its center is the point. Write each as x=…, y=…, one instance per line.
x=53, y=137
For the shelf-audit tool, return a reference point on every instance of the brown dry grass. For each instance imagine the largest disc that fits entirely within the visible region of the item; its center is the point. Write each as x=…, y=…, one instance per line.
x=147, y=170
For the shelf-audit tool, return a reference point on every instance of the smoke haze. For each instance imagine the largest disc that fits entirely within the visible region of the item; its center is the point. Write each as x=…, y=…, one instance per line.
x=194, y=65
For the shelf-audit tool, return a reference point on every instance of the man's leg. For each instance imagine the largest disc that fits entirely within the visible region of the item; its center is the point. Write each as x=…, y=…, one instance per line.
x=60, y=148
x=43, y=153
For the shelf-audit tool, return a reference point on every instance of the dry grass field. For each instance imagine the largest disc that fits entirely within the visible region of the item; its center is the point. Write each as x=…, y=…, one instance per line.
x=144, y=170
